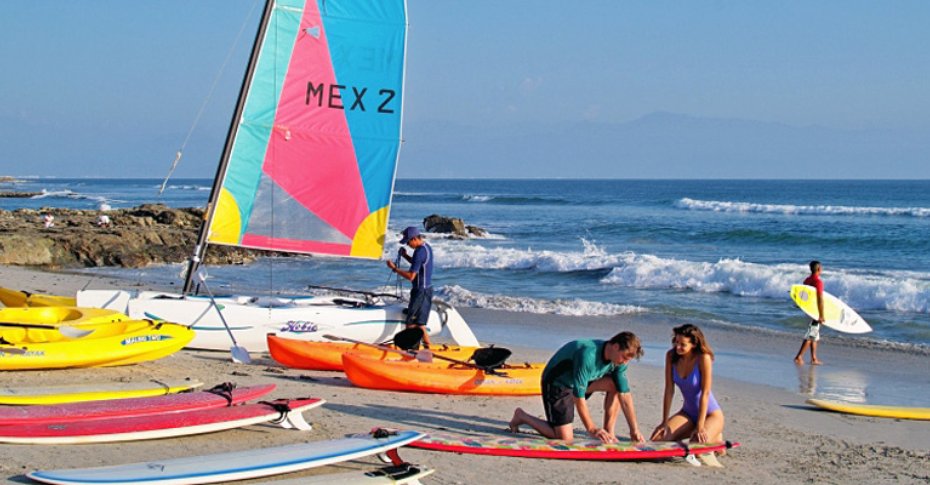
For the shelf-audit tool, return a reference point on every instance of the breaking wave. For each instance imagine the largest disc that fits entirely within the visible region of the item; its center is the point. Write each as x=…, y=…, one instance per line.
x=456, y=295
x=722, y=206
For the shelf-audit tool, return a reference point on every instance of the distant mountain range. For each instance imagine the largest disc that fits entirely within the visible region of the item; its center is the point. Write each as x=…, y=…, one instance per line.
x=659, y=145
x=662, y=145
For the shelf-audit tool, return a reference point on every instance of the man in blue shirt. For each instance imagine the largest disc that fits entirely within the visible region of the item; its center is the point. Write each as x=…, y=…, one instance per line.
x=578, y=369
x=421, y=275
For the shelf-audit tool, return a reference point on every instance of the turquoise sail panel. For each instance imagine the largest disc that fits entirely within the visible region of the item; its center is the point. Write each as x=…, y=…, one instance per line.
x=372, y=71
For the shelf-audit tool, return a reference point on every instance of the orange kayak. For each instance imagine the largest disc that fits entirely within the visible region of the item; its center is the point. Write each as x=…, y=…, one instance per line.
x=440, y=377
x=302, y=354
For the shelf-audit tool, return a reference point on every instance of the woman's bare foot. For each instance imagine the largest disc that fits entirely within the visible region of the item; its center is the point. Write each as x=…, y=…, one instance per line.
x=516, y=420
x=816, y=362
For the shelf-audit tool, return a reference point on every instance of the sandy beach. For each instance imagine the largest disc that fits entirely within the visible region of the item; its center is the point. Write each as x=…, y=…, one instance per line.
x=783, y=440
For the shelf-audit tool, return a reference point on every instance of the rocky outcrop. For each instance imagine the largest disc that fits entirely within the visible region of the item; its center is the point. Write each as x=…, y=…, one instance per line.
x=451, y=225
x=18, y=195
x=136, y=237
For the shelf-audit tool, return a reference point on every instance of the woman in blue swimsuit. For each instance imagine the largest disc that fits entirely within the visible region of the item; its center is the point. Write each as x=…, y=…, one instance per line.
x=689, y=365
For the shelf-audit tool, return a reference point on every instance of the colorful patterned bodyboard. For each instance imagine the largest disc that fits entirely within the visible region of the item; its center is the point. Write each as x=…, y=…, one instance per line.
x=531, y=447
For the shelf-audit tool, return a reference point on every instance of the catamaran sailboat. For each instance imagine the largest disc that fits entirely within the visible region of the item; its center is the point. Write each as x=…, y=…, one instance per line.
x=308, y=167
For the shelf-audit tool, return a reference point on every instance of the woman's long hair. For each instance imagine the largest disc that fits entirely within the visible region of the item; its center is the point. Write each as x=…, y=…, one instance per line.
x=697, y=338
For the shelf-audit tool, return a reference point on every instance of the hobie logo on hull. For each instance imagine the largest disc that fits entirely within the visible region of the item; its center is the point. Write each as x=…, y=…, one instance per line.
x=145, y=338
x=331, y=96
x=300, y=326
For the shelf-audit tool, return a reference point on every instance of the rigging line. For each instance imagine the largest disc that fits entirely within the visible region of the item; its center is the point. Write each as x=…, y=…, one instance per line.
x=206, y=101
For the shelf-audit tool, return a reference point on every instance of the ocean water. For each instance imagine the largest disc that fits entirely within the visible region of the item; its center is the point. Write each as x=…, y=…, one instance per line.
x=706, y=251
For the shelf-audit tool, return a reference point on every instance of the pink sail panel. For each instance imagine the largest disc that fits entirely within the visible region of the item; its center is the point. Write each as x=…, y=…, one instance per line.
x=311, y=154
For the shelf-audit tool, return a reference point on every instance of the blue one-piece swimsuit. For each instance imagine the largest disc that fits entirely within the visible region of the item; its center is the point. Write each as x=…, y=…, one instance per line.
x=691, y=392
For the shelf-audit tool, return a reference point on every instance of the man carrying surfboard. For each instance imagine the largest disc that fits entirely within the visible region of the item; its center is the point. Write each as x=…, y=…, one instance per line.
x=421, y=275
x=577, y=370
x=813, y=332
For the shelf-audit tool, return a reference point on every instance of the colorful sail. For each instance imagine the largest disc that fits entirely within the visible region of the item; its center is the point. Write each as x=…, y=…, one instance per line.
x=314, y=153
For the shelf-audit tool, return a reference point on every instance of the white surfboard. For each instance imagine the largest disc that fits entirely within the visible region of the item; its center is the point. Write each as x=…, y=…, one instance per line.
x=389, y=475
x=837, y=315
x=224, y=467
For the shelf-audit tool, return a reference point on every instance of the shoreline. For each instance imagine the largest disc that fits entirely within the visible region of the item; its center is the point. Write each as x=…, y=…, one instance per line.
x=782, y=439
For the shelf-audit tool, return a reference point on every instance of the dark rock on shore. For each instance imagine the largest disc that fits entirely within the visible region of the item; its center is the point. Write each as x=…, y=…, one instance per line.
x=136, y=237
x=451, y=225
x=18, y=195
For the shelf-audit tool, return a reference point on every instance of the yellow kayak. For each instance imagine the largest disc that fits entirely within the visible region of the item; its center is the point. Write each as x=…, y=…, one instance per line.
x=19, y=298
x=145, y=341
x=46, y=324
x=900, y=412
x=45, y=395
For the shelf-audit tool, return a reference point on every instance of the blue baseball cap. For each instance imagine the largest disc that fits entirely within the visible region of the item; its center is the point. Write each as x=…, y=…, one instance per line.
x=409, y=233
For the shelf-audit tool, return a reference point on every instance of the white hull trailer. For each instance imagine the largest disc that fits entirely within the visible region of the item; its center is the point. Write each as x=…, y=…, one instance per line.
x=250, y=319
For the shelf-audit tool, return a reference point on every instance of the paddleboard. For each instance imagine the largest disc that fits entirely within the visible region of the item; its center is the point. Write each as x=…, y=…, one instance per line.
x=240, y=465
x=219, y=396
x=837, y=315
x=899, y=412
x=395, y=474
x=168, y=425
x=584, y=449
x=93, y=392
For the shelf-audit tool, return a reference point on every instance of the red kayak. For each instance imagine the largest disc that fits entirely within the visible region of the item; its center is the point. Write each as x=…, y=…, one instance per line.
x=287, y=412
x=220, y=396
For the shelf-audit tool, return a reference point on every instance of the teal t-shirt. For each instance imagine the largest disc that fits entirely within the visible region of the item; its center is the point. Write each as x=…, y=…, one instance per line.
x=580, y=362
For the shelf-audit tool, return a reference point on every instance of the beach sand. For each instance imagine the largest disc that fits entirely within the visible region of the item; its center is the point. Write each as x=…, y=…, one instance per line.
x=782, y=439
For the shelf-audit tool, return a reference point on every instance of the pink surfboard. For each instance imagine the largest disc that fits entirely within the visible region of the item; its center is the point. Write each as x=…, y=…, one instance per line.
x=287, y=412
x=217, y=397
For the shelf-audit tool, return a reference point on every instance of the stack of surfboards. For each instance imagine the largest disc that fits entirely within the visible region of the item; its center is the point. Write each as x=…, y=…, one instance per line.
x=59, y=337
x=221, y=408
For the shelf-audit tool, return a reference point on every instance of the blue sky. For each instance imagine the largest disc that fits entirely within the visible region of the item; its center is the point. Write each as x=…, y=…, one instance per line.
x=671, y=89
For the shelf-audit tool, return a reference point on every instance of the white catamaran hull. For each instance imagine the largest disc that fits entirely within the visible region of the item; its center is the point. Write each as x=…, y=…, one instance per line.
x=251, y=318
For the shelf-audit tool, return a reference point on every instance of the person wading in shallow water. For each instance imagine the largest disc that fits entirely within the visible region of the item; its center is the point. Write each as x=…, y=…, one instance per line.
x=421, y=275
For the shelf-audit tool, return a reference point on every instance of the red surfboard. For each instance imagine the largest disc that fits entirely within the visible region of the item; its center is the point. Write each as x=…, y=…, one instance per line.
x=285, y=411
x=217, y=397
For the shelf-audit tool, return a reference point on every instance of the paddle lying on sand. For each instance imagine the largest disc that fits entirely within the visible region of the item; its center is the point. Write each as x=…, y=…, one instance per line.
x=66, y=330
x=488, y=359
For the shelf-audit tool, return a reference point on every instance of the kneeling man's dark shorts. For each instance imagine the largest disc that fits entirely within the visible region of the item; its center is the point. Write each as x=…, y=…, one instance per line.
x=559, y=403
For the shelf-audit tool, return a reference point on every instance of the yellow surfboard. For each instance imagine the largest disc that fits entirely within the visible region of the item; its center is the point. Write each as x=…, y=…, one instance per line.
x=837, y=315
x=900, y=412
x=93, y=392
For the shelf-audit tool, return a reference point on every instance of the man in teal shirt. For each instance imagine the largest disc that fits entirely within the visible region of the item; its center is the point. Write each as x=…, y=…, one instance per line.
x=578, y=369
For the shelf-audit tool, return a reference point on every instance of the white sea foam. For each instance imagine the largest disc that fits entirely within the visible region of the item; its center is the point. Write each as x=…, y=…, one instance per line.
x=723, y=206
x=69, y=194
x=905, y=292
x=456, y=295
x=459, y=254
x=185, y=187
x=898, y=291
x=477, y=198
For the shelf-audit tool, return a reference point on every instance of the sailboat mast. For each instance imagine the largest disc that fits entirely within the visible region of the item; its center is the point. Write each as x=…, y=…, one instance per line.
x=201, y=248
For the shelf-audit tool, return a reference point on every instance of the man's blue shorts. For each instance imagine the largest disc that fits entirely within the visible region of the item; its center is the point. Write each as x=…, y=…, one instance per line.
x=421, y=301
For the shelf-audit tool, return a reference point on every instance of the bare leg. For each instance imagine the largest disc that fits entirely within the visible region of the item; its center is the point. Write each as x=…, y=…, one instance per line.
x=680, y=427
x=521, y=417
x=426, y=343
x=799, y=359
x=814, y=359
